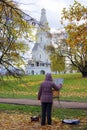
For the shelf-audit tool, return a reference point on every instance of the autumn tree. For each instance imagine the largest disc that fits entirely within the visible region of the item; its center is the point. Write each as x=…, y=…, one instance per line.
x=14, y=25
x=74, y=45
x=57, y=60
x=75, y=22
x=57, y=63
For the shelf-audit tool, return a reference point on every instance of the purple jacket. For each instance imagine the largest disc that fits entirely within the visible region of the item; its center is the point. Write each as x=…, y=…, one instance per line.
x=45, y=93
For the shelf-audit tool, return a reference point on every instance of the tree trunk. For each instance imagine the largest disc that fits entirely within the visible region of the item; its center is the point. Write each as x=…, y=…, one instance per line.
x=84, y=73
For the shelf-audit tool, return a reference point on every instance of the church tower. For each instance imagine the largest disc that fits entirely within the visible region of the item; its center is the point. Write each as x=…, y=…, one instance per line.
x=40, y=59
x=43, y=36
x=43, y=19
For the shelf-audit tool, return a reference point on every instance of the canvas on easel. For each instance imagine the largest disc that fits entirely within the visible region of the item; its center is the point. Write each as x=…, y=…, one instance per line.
x=58, y=81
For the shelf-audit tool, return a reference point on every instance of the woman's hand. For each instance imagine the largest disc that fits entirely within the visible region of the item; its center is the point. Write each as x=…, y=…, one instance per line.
x=60, y=86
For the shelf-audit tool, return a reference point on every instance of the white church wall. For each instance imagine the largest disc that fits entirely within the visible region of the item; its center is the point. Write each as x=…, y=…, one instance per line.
x=38, y=70
x=39, y=54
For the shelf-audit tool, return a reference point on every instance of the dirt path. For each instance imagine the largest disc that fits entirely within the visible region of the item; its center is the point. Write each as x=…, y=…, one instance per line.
x=61, y=104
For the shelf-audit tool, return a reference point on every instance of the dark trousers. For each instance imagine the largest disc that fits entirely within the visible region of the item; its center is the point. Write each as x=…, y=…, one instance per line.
x=46, y=113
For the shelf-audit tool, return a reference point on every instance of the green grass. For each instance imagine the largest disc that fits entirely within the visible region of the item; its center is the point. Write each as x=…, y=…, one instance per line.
x=74, y=87
x=36, y=110
x=57, y=114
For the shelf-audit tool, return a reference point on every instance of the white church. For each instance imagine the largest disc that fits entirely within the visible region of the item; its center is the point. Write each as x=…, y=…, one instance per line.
x=40, y=62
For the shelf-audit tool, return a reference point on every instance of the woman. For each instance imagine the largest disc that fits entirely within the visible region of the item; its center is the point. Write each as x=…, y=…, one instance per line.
x=45, y=94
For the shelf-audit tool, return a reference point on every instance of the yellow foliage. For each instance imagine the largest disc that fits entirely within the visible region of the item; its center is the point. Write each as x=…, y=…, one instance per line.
x=21, y=121
x=13, y=26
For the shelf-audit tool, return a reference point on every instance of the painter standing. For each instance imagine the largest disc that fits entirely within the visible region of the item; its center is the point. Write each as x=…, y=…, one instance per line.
x=45, y=95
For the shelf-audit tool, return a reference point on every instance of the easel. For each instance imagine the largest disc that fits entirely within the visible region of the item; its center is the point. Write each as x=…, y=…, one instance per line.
x=56, y=94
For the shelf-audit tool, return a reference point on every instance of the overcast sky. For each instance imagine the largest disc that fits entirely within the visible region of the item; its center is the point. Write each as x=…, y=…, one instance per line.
x=53, y=9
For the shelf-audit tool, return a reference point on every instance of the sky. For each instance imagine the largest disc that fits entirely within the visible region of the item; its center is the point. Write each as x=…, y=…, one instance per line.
x=53, y=9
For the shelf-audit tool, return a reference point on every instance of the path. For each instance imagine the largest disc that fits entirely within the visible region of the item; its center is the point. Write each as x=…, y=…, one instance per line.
x=61, y=104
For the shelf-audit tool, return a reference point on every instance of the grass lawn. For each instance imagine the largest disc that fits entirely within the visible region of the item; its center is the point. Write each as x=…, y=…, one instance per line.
x=74, y=87
x=20, y=118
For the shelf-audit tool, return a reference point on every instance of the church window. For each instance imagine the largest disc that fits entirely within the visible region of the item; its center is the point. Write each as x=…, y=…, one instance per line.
x=32, y=72
x=41, y=64
x=37, y=63
x=32, y=65
x=42, y=72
